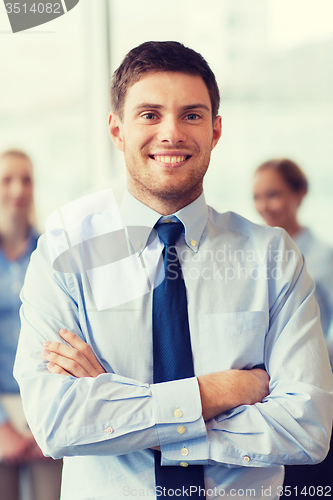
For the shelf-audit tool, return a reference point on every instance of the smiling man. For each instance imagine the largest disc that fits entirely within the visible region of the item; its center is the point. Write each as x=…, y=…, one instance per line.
x=169, y=130
x=214, y=377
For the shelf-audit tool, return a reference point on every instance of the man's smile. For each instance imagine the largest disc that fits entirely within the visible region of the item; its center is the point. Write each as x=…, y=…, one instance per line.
x=169, y=159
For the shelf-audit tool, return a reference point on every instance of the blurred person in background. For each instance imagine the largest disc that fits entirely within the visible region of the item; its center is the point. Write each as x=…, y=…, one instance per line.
x=18, y=239
x=279, y=188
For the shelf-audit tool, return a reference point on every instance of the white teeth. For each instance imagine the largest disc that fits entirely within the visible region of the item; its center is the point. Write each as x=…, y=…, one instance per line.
x=170, y=159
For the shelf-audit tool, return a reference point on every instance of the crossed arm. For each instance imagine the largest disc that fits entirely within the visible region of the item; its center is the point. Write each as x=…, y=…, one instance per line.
x=219, y=391
x=70, y=416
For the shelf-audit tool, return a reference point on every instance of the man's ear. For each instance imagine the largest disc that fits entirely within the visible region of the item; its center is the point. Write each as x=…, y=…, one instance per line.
x=115, y=131
x=217, y=131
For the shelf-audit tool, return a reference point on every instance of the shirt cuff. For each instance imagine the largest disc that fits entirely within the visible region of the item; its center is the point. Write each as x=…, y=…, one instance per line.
x=187, y=452
x=177, y=411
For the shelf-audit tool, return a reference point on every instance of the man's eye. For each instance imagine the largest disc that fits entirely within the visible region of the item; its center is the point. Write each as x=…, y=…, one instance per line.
x=192, y=116
x=149, y=116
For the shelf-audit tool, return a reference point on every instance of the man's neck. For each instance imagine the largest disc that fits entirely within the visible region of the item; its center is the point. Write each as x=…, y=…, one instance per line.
x=164, y=206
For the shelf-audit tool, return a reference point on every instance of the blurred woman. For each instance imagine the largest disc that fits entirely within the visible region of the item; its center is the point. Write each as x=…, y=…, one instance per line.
x=278, y=190
x=19, y=451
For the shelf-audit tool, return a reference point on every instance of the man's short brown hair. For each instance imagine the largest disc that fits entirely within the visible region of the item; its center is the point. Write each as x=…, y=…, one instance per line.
x=160, y=56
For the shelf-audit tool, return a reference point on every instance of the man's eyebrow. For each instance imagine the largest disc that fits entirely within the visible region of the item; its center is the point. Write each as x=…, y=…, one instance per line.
x=196, y=106
x=148, y=105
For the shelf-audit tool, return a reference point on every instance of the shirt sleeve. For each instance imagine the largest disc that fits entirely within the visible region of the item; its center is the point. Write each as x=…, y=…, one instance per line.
x=109, y=414
x=293, y=424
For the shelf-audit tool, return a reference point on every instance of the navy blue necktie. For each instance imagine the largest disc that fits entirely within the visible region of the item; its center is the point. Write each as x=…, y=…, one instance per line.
x=173, y=354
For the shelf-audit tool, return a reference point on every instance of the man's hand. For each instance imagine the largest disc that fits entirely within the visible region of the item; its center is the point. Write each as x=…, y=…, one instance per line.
x=76, y=359
x=223, y=391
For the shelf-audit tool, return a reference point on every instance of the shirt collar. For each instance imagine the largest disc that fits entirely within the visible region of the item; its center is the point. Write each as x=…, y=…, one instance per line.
x=194, y=217
x=139, y=220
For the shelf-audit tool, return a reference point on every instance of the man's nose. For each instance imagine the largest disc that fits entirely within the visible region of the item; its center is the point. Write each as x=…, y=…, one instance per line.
x=171, y=131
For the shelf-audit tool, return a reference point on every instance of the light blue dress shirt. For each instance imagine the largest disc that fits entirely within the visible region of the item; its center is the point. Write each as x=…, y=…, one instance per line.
x=12, y=274
x=250, y=301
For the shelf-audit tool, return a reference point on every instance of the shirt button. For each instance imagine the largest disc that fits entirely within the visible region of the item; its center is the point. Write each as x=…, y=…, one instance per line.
x=193, y=243
x=183, y=464
x=178, y=413
x=181, y=429
x=246, y=458
x=139, y=244
x=184, y=452
x=109, y=430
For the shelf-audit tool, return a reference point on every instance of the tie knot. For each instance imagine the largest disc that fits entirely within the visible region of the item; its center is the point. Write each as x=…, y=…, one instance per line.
x=169, y=232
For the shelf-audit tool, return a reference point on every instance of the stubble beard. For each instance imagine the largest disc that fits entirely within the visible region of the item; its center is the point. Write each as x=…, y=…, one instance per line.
x=143, y=182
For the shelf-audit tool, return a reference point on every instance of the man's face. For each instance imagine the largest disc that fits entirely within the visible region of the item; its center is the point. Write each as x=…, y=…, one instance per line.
x=166, y=135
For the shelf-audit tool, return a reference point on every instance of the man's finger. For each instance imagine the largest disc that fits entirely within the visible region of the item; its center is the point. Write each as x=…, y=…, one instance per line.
x=71, y=354
x=68, y=358
x=56, y=369
x=81, y=346
x=68, y=364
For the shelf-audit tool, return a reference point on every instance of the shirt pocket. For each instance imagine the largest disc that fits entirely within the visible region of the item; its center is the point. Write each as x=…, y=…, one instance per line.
x=232, y=340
